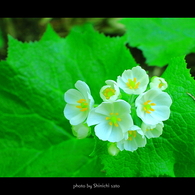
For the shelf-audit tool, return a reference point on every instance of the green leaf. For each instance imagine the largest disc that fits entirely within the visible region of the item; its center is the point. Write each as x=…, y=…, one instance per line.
x=35, y=137
x=57, y=161
x=173, y=153
x=161, y=39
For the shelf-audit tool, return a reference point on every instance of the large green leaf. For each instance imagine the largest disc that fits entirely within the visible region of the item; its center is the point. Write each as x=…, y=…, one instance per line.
x=173, y=153
x=67, y=159
x=160, y=39
x=35, y=137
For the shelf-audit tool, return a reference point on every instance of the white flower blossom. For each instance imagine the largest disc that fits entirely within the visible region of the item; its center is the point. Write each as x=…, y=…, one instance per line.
x=79, y=103
x=133, y=139
x=133, y=81
x=109, y=92
x=151, y=131
x=158, y=83
x=113, y=119
x=81, y=130
x=153, y=106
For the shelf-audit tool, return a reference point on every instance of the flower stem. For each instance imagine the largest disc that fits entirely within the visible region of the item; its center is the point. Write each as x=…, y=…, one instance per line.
x=131, y=99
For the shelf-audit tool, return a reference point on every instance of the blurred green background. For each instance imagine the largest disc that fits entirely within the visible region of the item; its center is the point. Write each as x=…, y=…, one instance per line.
x=31, y=29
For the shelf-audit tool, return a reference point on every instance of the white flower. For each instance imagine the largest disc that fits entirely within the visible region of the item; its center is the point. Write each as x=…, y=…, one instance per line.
x=159, y=83
x=151, y=131
x=113, y=119
x=153, y=106
x=133, y=81
x=110, y=92
x=133, y=139
x=79, y=103
x=81, y=130
x=112, y=149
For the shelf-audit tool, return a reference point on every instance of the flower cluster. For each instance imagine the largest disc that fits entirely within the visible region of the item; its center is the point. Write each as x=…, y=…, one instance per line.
x=132, y=110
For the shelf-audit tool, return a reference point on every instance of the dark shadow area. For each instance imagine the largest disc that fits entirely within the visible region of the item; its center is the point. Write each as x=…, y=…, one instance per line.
x=190, y=60
x=141, y=60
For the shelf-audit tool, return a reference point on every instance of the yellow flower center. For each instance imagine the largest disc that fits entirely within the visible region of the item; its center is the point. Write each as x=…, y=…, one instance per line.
x=131, y=84
x=160, y=84
x=147, y=106
x=113, y=119
x=108, y=92
x=131, y=135
x=83, y=105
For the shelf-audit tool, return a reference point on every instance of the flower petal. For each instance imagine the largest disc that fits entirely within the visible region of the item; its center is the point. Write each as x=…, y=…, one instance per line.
x=70, y=111
x=130, y=145
x=72, y=96
x=78, y=119
x=146, y=118
x=90, y=100
x=141, y=76
x=122, y=106
x=121, y=82
x=104, y=108
x=74, y=114
x=116, y=134
x=140, y=140
x=103, y=131
x=162, y=99
x=110, y=82
x=152, y=131
x=126, y=123
x=82, y=86
x=152, y=94
x=161, y=113
x=95, y=118
x=120, y=145
x=127, y=74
